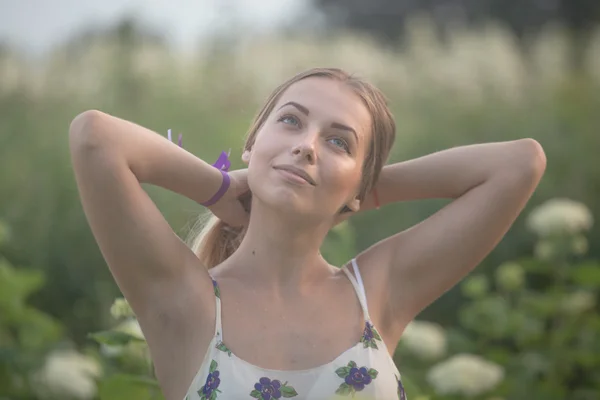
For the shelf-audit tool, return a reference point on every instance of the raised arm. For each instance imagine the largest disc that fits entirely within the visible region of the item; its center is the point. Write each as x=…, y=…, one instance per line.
x=490, y=184
x=111, y=157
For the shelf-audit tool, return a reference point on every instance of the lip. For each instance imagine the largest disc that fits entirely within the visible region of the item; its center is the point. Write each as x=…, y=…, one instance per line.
x=296, y=171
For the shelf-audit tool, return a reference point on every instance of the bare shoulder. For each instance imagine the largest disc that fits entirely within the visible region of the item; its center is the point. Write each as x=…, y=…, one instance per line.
x=375, y=280
x=178, y=329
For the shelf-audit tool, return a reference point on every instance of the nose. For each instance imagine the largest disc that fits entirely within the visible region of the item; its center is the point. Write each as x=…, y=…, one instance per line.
x=305, y=149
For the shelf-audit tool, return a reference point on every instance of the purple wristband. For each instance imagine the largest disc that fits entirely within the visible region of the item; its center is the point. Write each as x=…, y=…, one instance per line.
x=222, y=190
x=222, y=164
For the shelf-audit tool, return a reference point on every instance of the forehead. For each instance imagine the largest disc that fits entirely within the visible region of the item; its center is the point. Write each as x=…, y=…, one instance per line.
x=329, y=99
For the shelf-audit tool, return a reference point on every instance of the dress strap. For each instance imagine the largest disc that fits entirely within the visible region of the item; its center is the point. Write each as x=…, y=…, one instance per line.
x=218, y=326
x=359, y=287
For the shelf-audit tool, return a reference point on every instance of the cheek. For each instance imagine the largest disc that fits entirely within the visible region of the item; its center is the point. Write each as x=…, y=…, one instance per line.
x=259, y=165
x=343, y=179
x=265, y=146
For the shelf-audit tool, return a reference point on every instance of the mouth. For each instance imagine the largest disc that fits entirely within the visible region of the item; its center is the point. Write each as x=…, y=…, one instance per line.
x=298, y=172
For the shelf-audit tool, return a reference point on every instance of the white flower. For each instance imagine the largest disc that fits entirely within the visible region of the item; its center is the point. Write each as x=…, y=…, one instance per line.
x=67, y=374
x=132, y=350
x=110, y=351
x=465, y=374
x=132, y=327
x=560, y=216
x=424, y=339
x=579, y=302
x=121, y=309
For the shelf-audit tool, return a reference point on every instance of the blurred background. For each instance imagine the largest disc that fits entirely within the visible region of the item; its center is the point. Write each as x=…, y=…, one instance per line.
x=524, y=325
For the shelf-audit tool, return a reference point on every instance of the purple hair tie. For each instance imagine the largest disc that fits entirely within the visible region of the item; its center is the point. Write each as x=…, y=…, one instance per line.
x=179, y=139
x=222, y=164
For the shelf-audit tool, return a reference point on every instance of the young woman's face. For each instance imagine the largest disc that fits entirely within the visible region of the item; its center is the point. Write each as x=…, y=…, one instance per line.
x=320, y=129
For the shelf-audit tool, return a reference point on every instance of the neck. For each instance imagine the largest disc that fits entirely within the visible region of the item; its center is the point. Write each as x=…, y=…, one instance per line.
x=282, y=249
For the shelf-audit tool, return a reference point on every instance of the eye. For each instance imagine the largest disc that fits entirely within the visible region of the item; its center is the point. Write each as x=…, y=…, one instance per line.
x=341, y=143
x=289, y=119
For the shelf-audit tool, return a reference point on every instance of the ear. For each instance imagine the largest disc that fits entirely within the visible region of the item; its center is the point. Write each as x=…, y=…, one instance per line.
x=354, y=205
x=347, y=211
x=246, y=156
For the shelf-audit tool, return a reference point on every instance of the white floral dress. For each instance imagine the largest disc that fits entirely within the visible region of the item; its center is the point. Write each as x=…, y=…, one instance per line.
x=366, y=370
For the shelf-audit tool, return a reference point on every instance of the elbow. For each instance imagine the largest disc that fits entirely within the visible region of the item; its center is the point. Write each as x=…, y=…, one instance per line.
x=536, y=157
x=83, y=131
x=531, y=160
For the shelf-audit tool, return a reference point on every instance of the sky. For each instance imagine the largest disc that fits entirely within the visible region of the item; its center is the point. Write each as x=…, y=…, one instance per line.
x=35, y=26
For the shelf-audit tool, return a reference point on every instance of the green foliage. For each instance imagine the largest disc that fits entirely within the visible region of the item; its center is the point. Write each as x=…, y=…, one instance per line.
x=26, y=333
x=130, y=373
x=536, y=318
x=339, y=244
x=127, y=387
x=115, y=338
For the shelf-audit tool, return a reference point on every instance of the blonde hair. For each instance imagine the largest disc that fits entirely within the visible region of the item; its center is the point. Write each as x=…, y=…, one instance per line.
x=216, y=241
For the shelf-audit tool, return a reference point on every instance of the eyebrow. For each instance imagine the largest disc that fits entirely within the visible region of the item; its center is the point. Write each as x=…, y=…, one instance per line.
x=335, y=125
x=303, y=109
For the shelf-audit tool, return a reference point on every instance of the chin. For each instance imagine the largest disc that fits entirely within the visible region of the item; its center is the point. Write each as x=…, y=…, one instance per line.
x=285, y=199
x=281, y=196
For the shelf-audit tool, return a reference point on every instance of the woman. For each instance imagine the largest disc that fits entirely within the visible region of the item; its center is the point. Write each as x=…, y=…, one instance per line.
x=271, y=318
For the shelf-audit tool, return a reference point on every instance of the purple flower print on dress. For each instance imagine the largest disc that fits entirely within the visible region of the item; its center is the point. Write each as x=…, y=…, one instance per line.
x=267, y=389
x=210, y=389
x=355, y=378
x=401, y=391
x=369, y=337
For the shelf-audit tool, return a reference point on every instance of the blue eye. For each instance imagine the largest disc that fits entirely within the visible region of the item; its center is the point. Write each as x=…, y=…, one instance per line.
x=341, y=143
x=289, y=120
